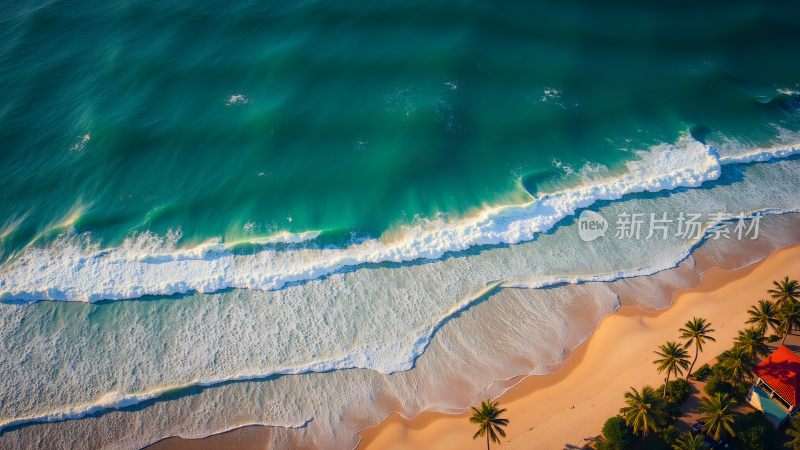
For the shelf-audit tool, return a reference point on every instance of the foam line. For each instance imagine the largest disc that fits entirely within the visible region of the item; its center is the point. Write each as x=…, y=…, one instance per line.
x=115, y=400
x=73, y=269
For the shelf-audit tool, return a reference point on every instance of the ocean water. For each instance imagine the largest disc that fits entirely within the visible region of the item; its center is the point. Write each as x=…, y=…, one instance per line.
x=264, y=205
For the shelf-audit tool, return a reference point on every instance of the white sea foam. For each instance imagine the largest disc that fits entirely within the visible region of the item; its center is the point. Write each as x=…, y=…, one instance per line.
x=566, y=168
x=761, y=154
x=388, y=319
x=117, y=400
x=81, y=144
x=148, y=247
x=401, y=361
x=550, y=94
x=237, y=99
x=111, y=401
x=788, y=91
x=149, y=265
x=397, y=362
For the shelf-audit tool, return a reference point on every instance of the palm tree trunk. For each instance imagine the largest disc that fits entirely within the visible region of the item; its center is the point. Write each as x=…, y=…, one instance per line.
x=666, y=382
x=487, y=442
x=696, y=353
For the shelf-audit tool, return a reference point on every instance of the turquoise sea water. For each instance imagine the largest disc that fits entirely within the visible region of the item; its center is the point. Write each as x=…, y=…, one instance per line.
x=388, y=181
x=240, y=119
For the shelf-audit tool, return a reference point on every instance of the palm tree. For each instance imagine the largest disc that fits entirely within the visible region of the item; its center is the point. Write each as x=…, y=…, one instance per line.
x=752, y=340
x=696, y=331
x=674, y=359
x=793, y=432
x=764, y=315
x=689, y=441
x=784, y=291
x=789, y=317
x=644, y=411
x=489, y=421
x=718, y=415
x=737, y=364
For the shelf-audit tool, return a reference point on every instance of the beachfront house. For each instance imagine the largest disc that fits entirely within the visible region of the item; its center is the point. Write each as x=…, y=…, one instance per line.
x=776, y=390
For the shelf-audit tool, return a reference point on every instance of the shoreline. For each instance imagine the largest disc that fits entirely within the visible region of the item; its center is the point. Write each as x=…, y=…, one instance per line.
x=244, y=437
x=601, y=394
x=584, y=391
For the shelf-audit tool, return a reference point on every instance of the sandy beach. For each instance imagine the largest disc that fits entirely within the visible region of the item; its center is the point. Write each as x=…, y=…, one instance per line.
x=565, y=407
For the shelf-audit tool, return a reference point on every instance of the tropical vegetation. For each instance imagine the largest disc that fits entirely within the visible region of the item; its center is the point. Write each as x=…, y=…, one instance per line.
x=674, y=360
x=489, y=422
x=785, y=291
x=690, y=441
x=718, y=415
x=764, y=316
x=646, y=420
x=644, y=412
x=793, y=433
x=753, y=342
x=696, y=332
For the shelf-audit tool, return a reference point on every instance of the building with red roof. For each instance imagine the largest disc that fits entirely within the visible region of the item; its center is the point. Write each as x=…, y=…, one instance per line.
x=776, y=390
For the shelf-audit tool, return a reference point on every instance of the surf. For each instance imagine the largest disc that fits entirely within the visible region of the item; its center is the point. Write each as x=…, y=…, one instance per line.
x=74, y=269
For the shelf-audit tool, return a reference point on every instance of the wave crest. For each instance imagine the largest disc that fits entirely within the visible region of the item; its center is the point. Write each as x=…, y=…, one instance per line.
x=75, y=270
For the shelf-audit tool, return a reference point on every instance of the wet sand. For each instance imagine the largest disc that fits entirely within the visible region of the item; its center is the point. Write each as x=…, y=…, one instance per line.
x=564, y=408
x=568, y=406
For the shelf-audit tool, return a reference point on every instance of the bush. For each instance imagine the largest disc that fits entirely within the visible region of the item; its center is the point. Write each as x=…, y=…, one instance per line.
x=678, y=391
x=702, y=372
x=673, y=411
x=740, y=391
x=718, y=368
x=717, y=384
x=754, y=432
x=668, y=434
x=654, y=442
x=617, y=434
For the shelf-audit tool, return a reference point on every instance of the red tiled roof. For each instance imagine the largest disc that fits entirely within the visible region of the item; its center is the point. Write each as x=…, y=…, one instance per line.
x=781, y=371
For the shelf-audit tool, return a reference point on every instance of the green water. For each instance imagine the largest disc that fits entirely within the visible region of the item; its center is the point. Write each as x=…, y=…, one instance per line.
x=118, y=117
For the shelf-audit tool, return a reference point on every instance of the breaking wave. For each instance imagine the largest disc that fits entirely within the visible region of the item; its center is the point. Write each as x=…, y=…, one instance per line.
x=75, y=269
